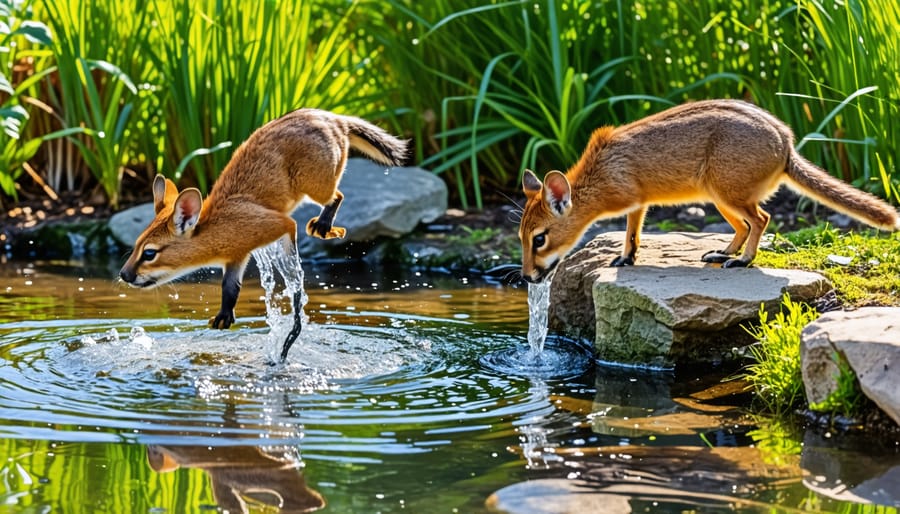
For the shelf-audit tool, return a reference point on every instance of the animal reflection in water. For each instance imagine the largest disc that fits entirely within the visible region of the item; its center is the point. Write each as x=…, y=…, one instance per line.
x=242, y=473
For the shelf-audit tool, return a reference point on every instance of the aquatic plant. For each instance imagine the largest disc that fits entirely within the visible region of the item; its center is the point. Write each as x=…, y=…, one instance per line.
x=776, y=373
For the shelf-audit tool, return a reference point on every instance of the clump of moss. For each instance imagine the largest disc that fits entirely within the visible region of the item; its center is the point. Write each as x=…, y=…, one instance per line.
x=863, y=266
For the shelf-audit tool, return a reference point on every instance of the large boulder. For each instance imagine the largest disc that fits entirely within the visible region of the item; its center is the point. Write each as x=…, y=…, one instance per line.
x=670, y=308
x=378, y=201
x=868, y=341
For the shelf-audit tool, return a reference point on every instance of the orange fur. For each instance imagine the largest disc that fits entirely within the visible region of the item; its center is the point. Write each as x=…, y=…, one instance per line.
x=728, y=152
x=239, y=472
x=299, y=155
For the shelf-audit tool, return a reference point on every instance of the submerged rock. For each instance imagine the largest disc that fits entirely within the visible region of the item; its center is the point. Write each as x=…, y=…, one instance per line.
x=670, y=308
x=378, y=201
x=868, y=341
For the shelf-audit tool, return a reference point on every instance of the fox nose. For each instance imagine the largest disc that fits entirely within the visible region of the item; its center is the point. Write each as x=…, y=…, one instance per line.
x=127, y=275
x=534, y=277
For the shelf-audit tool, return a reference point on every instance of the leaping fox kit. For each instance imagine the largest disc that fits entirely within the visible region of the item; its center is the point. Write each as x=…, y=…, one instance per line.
x=299, y=155
x=729, y=152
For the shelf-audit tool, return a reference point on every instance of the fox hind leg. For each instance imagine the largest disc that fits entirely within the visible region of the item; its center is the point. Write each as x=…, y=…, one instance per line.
x=741, y=231
x=321, y=226
x=758, y=220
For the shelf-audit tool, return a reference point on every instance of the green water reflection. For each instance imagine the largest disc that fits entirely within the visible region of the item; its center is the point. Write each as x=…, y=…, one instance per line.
x=384, y=408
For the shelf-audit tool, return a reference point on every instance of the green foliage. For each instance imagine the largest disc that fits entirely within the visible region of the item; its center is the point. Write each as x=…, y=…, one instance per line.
x=17, y=32
x=174, y=87
x=847, y=398
x=775, y=373
x=522, y=84
x=486, y=89
x=230, y=72
x=872, y=276
x=93, y=91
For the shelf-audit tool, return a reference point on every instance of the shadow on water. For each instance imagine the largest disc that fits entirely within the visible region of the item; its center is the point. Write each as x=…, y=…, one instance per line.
x=407, y=392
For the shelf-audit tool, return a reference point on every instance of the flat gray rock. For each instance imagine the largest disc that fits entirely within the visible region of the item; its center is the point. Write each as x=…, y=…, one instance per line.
x=868, y=340
x=670, y=308
x=378, y=201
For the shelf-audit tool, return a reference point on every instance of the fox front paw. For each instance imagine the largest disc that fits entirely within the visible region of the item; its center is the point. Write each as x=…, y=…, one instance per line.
x=622, y=260
x=222, y=320
x=323, y=230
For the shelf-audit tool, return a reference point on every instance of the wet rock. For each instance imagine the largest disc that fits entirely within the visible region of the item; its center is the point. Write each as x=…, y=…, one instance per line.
x=868, y=474
x=378, y=201
x=868, y=340
x=556, y=496
x=64, y=241
x=670, y=308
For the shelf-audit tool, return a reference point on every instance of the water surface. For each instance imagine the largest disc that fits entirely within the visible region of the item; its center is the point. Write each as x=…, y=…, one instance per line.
x=406, y=392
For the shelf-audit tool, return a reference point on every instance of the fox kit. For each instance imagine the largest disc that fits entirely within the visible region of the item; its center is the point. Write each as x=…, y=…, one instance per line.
x=729, y=152
x=300, y=155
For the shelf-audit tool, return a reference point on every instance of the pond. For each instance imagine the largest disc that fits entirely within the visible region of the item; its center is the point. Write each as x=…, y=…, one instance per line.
x=399, y=396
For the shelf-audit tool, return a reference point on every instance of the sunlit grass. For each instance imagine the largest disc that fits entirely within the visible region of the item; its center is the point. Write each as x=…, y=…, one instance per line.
x=776, y=372
x=864, y=267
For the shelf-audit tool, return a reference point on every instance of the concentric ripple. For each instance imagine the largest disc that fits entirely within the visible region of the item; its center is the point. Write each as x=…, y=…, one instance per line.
x=557, y=359
x=348, y=393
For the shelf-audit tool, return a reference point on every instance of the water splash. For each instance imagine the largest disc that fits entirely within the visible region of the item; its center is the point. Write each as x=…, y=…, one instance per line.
x=279, y=302
x=562, y=359
x=538, y=307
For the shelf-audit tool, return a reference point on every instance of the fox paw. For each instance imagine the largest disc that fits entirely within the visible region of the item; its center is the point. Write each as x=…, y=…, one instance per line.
x=324, y=230
x=715, y=257
x=222, y=320
x=736, y=263
x=622, y=260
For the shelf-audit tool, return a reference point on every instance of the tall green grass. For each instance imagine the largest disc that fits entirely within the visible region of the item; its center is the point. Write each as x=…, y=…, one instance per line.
x=171, y=87
x=23, y=54
x=485, y=88
x=516, y=83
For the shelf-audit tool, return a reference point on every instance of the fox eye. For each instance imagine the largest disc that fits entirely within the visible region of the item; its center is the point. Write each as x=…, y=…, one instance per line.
x=149, y=254
x=539, y=240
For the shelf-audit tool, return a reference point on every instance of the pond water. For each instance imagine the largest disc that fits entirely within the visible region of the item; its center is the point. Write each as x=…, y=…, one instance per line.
x=404, y=393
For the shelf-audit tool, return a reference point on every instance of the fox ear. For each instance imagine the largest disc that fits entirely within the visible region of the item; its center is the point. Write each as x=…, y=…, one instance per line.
x=164, y=191
x=557, y=193
x=187, y=211
x=530, y=184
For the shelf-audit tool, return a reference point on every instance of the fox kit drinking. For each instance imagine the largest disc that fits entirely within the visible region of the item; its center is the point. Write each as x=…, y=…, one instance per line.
x=728, y=152
x=299, y=155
